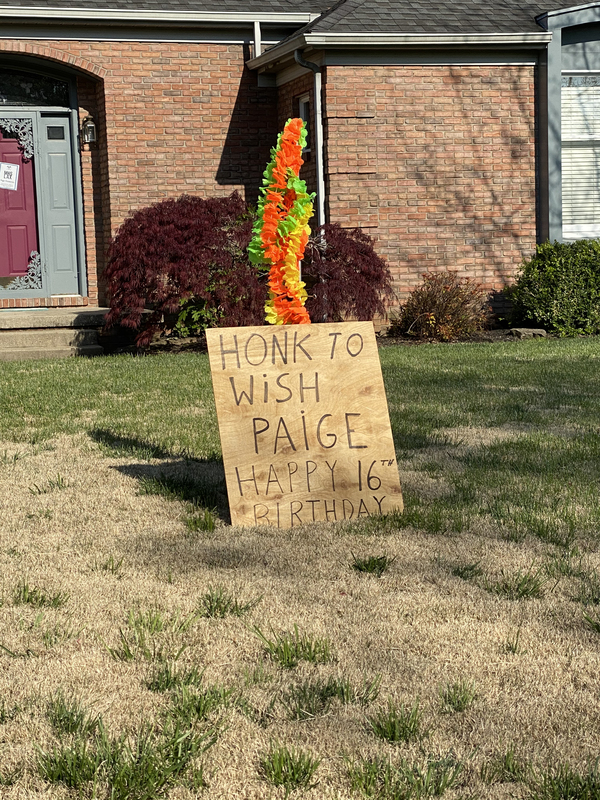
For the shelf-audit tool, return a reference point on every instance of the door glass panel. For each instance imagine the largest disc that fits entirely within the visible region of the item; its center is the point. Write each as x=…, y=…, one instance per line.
x=19, y=88
x=55, y=132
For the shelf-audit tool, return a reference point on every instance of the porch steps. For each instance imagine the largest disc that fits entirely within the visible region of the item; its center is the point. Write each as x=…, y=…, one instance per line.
x=50, y=333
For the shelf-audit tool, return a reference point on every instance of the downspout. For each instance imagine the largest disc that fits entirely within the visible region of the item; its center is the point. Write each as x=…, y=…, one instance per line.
x=319, y=148
x=257, y=39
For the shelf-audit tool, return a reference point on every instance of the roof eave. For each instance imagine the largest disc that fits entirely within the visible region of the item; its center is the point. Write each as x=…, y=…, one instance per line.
x=58, y=15
x=279, y=54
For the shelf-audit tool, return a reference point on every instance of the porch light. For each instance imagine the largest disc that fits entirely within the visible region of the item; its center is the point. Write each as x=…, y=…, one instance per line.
x=88, y=130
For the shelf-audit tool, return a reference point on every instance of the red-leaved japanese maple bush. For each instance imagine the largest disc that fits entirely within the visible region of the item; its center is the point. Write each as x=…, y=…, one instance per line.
x=344, y=276
x=189, y=249
x=185, y=262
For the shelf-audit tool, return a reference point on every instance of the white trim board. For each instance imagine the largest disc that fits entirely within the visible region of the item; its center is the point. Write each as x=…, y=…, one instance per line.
x=146, y=15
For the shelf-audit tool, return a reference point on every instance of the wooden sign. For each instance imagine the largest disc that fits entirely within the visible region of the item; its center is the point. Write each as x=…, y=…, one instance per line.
x=304, y=423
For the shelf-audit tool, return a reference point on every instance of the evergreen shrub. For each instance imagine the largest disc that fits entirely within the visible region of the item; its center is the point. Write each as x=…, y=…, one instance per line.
x=559, y=288
x=445, y=307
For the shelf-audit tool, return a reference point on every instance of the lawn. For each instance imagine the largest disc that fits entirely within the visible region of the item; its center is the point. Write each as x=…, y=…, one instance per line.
x=148, y=648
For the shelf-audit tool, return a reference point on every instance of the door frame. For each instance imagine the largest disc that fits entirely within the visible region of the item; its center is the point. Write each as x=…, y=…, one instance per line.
x=72, y=116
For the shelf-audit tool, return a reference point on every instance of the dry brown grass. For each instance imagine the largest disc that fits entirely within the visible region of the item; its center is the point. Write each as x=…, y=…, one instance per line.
x=418, y=627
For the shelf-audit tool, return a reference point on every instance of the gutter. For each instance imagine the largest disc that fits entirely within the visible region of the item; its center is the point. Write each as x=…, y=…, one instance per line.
x=377, y=40
x=319, y=146
x=54, y=14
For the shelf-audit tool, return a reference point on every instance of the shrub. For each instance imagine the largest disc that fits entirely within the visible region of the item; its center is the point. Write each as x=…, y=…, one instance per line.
x=344, y=276
x=444, y=307
x=189, y=256
x=559, y=289
x=187, y=261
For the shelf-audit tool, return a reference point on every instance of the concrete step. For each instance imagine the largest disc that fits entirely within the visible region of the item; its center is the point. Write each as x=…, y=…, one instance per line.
x=27, y=353
x=52, y=318
x=51, y=338
x=50, y=333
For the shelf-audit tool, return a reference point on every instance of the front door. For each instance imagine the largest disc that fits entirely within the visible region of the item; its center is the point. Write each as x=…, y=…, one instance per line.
x=18, y=215
x=38, y=219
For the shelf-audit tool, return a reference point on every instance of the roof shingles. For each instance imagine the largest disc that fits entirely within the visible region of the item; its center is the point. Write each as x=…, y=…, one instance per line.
x=424, y=16
x=199, y=6
x=347, y=16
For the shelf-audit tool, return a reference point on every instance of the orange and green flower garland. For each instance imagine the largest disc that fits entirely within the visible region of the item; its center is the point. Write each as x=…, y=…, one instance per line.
x=281, y=230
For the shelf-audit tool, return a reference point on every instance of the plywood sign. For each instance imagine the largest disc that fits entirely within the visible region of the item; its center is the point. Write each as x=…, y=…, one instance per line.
x=304, y=423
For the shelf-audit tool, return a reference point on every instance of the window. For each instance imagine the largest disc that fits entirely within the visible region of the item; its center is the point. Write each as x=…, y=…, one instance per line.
x=580, y=147
x=19, y=88
x=304, y=114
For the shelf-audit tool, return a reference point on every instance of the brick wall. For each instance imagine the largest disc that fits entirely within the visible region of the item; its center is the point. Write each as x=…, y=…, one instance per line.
x=437, y=163
x=173, y=118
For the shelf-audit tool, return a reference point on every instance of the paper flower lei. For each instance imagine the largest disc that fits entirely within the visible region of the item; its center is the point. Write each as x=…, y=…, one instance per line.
x=281, y=230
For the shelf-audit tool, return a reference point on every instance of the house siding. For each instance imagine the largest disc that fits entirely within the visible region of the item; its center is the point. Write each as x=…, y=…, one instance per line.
x=437, y=163
x=173, y=118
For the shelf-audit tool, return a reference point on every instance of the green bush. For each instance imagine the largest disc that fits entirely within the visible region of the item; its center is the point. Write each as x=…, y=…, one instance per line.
x=444, y=307
x=559, y=289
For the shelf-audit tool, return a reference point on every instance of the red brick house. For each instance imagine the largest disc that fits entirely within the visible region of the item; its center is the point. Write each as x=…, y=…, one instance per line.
x=457, y=134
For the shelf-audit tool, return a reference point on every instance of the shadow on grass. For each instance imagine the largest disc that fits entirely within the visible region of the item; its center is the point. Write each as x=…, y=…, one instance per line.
x=199, y=483
x=127, y=446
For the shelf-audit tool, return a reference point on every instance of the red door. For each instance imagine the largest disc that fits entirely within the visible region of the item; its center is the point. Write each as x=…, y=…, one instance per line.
x=18, y=228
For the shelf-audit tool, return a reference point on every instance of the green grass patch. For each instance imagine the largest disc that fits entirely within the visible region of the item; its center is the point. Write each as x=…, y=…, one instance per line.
x=315, y=697
x=35, y=596
x=372, y=565
x=563, y=782
x=138, y=644
x=505, y=768
x=520, y=585
x=458, y=696
x=381, y=778
x=397, y=723
x=289, y=648
x=467, y=572
x=139, y=407
x=219, y=602
x=190, y=704
x=291, y=768
x=137, y=766
x=588, y=590
x=200, y=521
x=68, y=716
x=592, y=621
x=167, y=676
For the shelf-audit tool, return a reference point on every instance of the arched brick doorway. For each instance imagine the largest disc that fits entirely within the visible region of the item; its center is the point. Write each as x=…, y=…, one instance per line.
x=41, y=211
